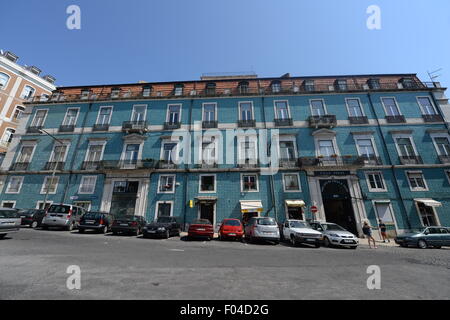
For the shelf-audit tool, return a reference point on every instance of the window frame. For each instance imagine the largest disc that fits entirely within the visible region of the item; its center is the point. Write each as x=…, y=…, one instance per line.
x=81, y=184
x=9, y=201
x=396, y=104
x=133, y=111
x=21, y=178
x=52, y=154
x=44, y=183
x=383, y=181
x=203, y=110
x=298, y=181
x=287, y=107
x=27, y=145
x=179, y=112
x=7, y=80
x=404, y=136
x=431, y=102
x=76, y=118
x=23, y=90
x=251, y=109
x=200, y=183
x=363, y=114
x=434, y=136
x=32, y=124
x=99, y=112
x=416, y=189
x=16, y=108
x=171, y=202
x=256, y=182
x=370, y=137
x=175, y=156
x=95, y=143
x=323, y=104
x=174, y=176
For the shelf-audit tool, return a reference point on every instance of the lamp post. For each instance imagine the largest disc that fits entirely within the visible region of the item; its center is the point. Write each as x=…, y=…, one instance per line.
x=54, y=167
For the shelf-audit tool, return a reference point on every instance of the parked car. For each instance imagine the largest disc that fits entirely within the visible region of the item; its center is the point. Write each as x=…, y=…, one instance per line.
x=9, y=221
x=98, y=221
x=262, y=228
x=32, y=217
x=201, y=228
x=231, y=229
x=66, y=216
x=298, y=231
x=436, y=237
x=128, y=224
x=335, y=235
x=163, y=227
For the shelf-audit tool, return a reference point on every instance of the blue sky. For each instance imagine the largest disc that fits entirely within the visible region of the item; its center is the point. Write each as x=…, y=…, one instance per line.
x=162, y=40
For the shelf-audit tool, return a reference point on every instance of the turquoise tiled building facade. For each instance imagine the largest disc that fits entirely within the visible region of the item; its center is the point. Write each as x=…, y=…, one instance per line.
x=358, y=148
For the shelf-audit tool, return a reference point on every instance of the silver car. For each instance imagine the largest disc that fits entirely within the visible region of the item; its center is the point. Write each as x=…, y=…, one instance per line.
x=10, y=221
x=262, y=228
x=335, y=235
x=64, y=216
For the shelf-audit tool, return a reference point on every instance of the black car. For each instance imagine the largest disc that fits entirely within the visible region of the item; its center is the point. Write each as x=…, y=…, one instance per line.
x=98, y=221
x=31, y=217
x=163, y=227
x=128, y=224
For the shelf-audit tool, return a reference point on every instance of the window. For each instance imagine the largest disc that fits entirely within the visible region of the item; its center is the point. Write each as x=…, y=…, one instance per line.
x=243, y=87
x=27, y=92
x=104, y=115
x=365, y=148
x=209, y=112
x=246, y=111
x=247, y=151
x=87, y=184
x=281, y=110
x=426, y=106
x=71, y=117
x=211, y=88
x=85, y=94
x=374, y=84
x=341, y=84
x=309, y=85
x=173, y=115
x=8, y=135
x=326, y=148
x=208, y=150
x=8, y=204
x=39, y=118
x=131, y=153
x=416, y=181
x=276, y=86
x=14, y=185
x=375, y=182
x=59, y=153
x=443, y=146
x=44, y=97
x=291, y=182
x=50, y=185
x=166, y=184
x=427, y=215
x=164, y=209
x=25, y=154
x=95, y=152
x=318, y=108
x=178, y=90
x=354, y=108
x=384, y=212
x=408, y=83
x=139, y=113
x=40, y=205
x=18, y=112
x=169, y=152
x=287, y=150
x=208, y=183
x=390, y=107
x=146, y=91
x=4, y=79
x=405, y=147
x=249, y=183
x=115, y=93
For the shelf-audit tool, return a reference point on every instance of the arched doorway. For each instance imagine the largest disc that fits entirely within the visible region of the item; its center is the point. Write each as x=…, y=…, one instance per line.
x=337, y=203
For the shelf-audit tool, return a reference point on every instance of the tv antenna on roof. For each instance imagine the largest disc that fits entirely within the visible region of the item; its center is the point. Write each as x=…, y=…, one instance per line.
x=433, y=75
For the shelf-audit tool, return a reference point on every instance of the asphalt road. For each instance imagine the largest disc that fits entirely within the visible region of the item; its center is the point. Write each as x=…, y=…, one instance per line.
x=33, y=265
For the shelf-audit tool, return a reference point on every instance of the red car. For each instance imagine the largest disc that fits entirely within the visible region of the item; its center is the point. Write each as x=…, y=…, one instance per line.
x=201, y=228
x=231, y=228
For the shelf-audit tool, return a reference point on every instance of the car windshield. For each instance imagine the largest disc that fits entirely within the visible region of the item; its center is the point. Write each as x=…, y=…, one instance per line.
x=332, y=227
x=8, y=214
x=164, y=219
x=93, y=215
x=201, y=221
x=27, y=212
x=59, y=209
x=234, y=223
x=266, y=222
x=298, y=224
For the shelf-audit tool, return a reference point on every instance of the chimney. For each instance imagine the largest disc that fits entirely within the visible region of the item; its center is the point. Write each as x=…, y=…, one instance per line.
x=10, y=56
x=49, y=79
x=34, y=70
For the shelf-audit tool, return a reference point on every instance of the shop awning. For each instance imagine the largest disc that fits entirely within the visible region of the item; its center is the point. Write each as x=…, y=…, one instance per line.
x=429, y=202
x=295, y=203
x=205, y=199
x=251, y=206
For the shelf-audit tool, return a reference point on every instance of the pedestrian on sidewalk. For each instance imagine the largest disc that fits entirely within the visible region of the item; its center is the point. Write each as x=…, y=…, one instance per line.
x=382, y=227
x=367, y=230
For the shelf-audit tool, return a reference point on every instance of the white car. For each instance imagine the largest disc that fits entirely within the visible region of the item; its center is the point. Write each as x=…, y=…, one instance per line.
x=298, y=231
x=335, y=235
x=10, y=221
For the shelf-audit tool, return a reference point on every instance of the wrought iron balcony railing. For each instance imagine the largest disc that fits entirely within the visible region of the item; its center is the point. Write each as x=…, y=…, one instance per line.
x=395, y=119
x=127, y=164
x=286, y=122
x=371, y=160
x=68, y=128
x=20, y=166
x=288, y=163
x=91, y=165
x=246, y=123
x=34, y=129
x=164, y=164
x=358, y=120
x=444, y=159
x=209, y=124
x=172, y=125
x=432, y=118
x=207, y=165
x=54, y=166
x=411, y=159
x=332, y=161
x=100, y=127
x=325, y=121
x=135, y=126
x=247, y=163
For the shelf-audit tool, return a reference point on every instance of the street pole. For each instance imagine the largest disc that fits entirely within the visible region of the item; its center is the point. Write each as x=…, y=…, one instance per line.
x=54, y=167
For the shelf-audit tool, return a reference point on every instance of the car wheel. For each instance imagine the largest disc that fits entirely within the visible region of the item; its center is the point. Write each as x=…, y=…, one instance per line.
x=34, y=224
x=167, y=235
x=326, y=242
x=422, y=244
x=81, y=230
x=137, y=232
x=105, y=230
x=70, y=227
x=293, y=242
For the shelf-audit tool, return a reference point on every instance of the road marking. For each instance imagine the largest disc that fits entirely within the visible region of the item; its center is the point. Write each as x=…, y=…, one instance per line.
x=178, y=250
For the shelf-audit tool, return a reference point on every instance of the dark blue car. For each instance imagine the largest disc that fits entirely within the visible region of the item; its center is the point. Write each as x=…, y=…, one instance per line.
x=435, y=237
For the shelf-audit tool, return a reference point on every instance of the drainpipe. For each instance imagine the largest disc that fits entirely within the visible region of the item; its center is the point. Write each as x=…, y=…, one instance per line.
x=63, y=199
x=390, y=160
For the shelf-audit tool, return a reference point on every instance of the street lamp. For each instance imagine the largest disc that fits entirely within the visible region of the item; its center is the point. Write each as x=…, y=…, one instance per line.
x=54, y=167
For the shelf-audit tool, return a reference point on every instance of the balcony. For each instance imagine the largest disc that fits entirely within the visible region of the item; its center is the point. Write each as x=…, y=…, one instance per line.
x=246, y=123
x=100, y=127
x=19, y=166
x=209, y=124
x=444, y=159
x=288, y=163
x=172, y=125
x=166, y=164
x=127, y=164
x=411, y=160
x=332, y=161
x=91, y=165
x=64, y=128
x=358, y=120
x=395, y=119
x=326, y=121
x=207, y=165
x=36, y=129
x=54, y=166
x=371, y=160
x=135, y=126
x=432, y=118
x=248, y=163
x=287, y=122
